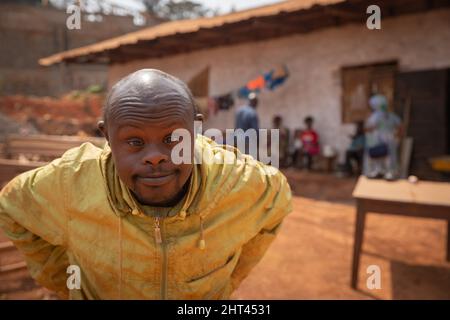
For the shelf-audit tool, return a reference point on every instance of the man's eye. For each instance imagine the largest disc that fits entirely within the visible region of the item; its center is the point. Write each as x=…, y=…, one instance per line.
x=169, y=139
x=135, y=142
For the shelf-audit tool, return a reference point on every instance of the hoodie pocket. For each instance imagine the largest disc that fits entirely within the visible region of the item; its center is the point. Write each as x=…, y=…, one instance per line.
x=213, y=283
x=212, y=272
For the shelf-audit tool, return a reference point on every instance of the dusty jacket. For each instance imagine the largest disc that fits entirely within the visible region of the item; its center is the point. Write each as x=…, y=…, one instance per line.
x=75, y=211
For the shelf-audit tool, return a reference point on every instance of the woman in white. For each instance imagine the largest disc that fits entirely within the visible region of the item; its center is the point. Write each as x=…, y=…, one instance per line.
x=382, y=133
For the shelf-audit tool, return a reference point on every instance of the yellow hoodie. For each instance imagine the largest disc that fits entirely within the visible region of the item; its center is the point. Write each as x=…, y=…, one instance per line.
x=76, y=211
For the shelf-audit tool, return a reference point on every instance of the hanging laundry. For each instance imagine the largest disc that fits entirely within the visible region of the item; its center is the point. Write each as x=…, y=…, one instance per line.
x=256, y=84
x=276, y=77
x=269, y=80
x=225, y=101
x=244, y=92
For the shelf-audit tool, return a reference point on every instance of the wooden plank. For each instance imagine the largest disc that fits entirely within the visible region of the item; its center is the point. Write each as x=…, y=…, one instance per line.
x=406, y=209
x=11, y=168
x=405, y=156
x=6, y=245
x=422, y=192
x=358, y=241
x=199, y=84
x=44, y=145
x=52, y=138
x=13, y=266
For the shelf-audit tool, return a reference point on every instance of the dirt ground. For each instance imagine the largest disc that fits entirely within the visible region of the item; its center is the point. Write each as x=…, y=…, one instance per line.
x=311, y=257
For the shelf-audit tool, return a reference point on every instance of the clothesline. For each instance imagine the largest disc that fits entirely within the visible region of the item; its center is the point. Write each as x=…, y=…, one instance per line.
x=267, y=81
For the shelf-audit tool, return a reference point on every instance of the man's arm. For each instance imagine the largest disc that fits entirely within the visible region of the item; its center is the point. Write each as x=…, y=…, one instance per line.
x=33, y=217
x=254, y=250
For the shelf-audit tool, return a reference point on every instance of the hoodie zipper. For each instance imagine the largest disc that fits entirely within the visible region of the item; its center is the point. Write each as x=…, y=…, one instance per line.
x=159, y=231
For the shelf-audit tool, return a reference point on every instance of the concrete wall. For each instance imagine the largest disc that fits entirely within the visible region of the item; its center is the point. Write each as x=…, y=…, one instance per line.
x=29, y=32
x=417, y=42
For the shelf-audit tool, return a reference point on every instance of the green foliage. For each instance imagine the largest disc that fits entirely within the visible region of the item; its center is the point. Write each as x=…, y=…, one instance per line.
x=95, y=88
x=178, y=9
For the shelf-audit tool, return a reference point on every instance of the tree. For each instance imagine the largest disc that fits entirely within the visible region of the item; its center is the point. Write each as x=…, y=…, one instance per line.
x=94, y=9
x=178, y=9
x=165, y=9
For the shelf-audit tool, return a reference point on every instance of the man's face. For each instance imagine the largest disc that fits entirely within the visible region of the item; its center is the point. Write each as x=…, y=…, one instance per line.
x=141, y=145
x=277, y=122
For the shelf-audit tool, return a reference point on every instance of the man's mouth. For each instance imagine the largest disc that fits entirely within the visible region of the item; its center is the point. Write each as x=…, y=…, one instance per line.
x=156, y=179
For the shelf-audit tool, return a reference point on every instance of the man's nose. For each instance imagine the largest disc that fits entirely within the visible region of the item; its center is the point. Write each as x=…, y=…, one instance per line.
x=154, y=156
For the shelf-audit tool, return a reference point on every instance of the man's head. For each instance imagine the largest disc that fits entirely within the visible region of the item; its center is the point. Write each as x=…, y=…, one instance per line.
x=253, y=100
x=141, y=112
x=309, y=121
x=277, y=121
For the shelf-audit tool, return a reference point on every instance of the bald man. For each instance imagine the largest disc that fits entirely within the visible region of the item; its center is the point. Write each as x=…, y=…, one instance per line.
x=127, y=222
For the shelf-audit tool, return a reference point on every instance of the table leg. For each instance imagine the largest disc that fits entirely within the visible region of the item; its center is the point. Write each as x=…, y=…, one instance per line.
x=358, y=240
x=448, y=240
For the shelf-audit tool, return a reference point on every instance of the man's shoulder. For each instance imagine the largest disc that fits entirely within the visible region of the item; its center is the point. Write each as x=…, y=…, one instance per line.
x=82, y=159
x=83, y=153
x=58, y=174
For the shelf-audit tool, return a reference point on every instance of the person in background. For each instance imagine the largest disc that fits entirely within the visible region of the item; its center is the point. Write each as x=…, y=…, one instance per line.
x=310, y=142
x=382, y=131
x=247, y=118
x=356, y=150
x=284, y=139
x=297, y=148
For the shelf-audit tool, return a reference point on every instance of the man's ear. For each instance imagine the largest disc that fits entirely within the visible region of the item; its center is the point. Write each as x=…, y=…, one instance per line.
x=199, y=117
x=102, y=127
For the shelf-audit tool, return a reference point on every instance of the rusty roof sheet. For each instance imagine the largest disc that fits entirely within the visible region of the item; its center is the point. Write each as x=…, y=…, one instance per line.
x=183, y=27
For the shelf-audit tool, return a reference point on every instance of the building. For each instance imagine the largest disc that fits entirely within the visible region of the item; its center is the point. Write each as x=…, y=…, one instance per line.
x=335, y=62
x=30, y=30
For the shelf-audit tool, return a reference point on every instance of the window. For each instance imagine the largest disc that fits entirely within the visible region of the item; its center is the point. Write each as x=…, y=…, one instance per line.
x=360, y=82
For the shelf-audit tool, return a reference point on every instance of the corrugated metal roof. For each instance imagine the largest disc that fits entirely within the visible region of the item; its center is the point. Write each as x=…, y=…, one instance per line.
x=278, y=20
x=183, y=27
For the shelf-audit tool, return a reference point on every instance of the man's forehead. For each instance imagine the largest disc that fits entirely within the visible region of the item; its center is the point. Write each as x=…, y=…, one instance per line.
x=143, y=116
x=151, y=111
x=170, y=120
x=150, y=93
x=147, y=83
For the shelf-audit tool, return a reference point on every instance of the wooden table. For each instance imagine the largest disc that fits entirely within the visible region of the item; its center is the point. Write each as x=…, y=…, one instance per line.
x=422, y=199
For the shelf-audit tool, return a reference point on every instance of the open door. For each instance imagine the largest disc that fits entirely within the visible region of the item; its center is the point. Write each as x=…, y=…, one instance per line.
x=428, y=120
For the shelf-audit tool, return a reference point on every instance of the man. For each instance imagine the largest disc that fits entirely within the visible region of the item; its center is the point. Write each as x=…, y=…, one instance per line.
x=247, y=124
x=246, y=116
x=135, y=223
x=356, y=149
x=277, y=122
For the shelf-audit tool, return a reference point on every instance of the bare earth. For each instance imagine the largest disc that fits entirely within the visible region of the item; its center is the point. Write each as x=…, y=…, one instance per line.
x=311, y=257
